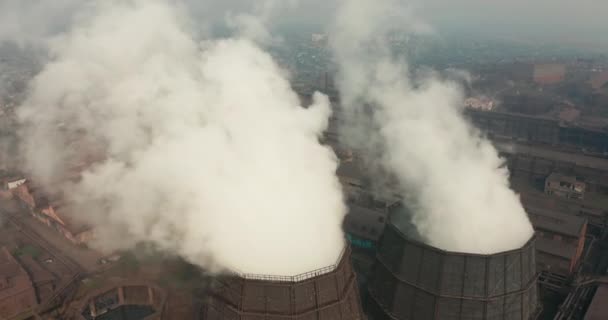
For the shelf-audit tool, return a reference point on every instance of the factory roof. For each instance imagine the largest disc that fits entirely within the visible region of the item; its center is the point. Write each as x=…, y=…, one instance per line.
x=54, y=207
x=589, y=123
x=547, y=153
x=555, y=248
x=557, y=176
x=566, y=206
x=557, y=222
x=598, y=310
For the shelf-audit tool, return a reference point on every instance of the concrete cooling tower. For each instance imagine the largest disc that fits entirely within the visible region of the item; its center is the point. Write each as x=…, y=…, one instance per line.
x=330, y=293
x=414, y=281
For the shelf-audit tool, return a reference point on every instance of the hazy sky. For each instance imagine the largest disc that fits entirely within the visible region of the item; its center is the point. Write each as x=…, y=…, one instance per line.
x=568, y=22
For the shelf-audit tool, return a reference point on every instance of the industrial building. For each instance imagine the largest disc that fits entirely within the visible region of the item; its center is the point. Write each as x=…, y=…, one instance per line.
x=50, y=213
x=414, y=281
x=532, y=167
x=582, y=135
x=330, y=293
x=532, y=163
x=367, y=215
x=548, y=74
x=560, y=240
x=565, y=186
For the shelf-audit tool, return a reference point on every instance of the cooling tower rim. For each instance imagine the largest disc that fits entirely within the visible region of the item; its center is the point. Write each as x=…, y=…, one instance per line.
x=427, y=246
x=299, y=277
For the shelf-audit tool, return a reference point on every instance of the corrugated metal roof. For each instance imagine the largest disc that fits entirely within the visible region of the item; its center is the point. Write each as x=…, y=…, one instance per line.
x=554, y=221
x=546, y=153
x=555, y=248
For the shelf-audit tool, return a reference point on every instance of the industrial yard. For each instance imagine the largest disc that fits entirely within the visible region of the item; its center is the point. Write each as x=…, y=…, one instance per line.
x=559, y=274
x=356, y=160
x=561, y=187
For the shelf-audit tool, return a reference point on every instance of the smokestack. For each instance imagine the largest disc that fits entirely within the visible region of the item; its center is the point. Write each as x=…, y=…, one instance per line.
x=327, y=293
x=414, y=281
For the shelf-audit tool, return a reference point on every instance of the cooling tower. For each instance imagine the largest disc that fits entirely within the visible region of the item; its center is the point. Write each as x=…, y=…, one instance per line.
x=330, y=293
x=414, y=281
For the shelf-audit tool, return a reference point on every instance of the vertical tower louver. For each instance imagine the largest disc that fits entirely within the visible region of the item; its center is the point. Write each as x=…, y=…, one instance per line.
x=329, y=293
x=415, y=281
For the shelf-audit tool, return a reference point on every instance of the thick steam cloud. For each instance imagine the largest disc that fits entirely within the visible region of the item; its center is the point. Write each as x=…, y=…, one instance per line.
x=451, y=177
x=200, y=148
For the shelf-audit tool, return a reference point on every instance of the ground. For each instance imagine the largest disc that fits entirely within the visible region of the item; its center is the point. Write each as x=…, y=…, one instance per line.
x=80, y=266
x=84, y=258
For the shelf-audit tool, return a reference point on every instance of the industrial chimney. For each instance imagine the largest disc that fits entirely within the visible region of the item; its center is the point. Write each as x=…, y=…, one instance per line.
x=414, y=281
x=330, y=293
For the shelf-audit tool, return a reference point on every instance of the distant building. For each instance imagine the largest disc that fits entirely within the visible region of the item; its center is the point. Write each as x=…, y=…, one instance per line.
x=17, y=293
x=547, y=74
x=588, y=136
x=569, y=115
x=599, y=80
x=565, y=186
x=480, y=103
x=14, y=183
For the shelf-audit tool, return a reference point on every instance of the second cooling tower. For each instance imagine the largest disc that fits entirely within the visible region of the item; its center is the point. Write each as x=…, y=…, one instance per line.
x=415, y=281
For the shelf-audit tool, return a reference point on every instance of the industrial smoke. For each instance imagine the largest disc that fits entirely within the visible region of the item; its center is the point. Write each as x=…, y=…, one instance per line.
x=201, y=148
x=450, y=176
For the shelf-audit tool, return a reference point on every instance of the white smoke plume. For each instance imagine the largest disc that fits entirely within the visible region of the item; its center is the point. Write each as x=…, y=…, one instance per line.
x=451, y=176
x=200, y=148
